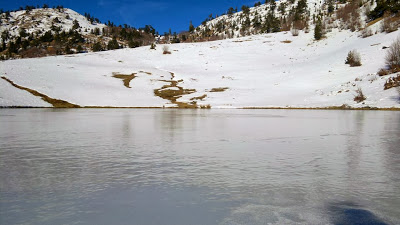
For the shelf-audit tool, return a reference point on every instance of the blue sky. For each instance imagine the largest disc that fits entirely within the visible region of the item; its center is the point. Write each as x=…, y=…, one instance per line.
x=162, y=15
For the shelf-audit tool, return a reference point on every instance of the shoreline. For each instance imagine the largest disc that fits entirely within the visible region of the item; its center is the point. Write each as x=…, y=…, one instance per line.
x=367, y=108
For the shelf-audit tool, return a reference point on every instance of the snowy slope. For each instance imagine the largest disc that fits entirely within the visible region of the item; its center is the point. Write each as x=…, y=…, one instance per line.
x=42, y=20
x=236, y=19
x=259, y=70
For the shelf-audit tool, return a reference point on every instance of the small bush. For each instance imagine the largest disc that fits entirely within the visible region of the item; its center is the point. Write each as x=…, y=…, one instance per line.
x=383, y=72
x=392, y=82
x=390, y=23
x=295, y=32
x=393, y=56
x=166, y=50
x=360, y=97
x=367, y=32
x=353, y=58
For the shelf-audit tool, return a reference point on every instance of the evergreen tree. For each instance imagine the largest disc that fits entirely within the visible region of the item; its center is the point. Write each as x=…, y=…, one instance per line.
x=68, y=50
x=133, y=44
x=97, y=47
x=245, y=9
x=76, y=25
x=113, y=44
x=79, y=49
x=191, y=27
x=231, y=11
x=331, y=8
x=318, y=29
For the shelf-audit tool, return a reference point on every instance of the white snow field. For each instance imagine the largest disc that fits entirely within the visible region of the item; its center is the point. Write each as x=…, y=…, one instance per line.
x=260, y=71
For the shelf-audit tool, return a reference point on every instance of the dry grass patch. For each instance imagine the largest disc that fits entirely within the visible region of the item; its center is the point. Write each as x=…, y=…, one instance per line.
x=125, y=78
x=220, y=89
x=57, y=103
x=199, y=98
x=148, y=73
x=172, y=92
x=374, y=21
x=208, y=106
x=186, y=105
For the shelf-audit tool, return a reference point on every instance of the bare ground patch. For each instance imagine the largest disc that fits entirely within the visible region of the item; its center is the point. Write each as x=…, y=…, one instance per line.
x=199, y=98
x=172, y=92
x=57, y=103
x=220, y=89
x=374, y=21
x=125, y=78
x=148, y=73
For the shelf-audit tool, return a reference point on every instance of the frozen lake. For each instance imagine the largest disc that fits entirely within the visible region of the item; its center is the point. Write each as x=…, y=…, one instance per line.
x=199, y=167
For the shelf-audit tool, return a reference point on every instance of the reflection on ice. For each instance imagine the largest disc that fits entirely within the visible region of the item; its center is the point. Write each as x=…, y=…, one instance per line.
x=119, y=166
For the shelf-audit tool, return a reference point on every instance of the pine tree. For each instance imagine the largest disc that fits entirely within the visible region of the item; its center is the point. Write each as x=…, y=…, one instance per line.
x=97, y=47
x=191, y=27
x=113, y=44
x=318, y=30
x=79, y=49
x=76, y=25
x=330, y=6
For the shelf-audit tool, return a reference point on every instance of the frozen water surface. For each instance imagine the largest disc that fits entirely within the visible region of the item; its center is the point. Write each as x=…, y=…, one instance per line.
x=154, y=166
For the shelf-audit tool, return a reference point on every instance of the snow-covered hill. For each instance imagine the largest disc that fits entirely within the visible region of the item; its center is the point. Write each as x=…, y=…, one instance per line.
x=268, y=70
x=241, y=23
x=59, y=31
x=43, y=19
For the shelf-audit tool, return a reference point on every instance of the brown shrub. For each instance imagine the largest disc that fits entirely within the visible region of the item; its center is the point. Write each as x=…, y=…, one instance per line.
x=353, y=58
x=33, y=52
x=360, y=97
x=383, y=72
x=300, y=24
x=390, y=23
x=367, y=32
x=392, y=82
x=349, y=15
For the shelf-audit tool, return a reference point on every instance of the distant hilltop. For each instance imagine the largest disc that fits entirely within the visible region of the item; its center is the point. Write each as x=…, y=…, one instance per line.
x=36, y=32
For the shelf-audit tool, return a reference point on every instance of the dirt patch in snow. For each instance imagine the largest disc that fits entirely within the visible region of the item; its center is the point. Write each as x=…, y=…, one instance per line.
x=220, y=89
x=199, y=98
x=57, y=103
x=125, y=78
x=148, y=73
x=172, y=92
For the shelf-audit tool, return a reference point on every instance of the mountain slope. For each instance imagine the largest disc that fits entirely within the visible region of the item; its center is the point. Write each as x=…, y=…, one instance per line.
x=270, y=70
x=57, y=31
x=42, y=20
